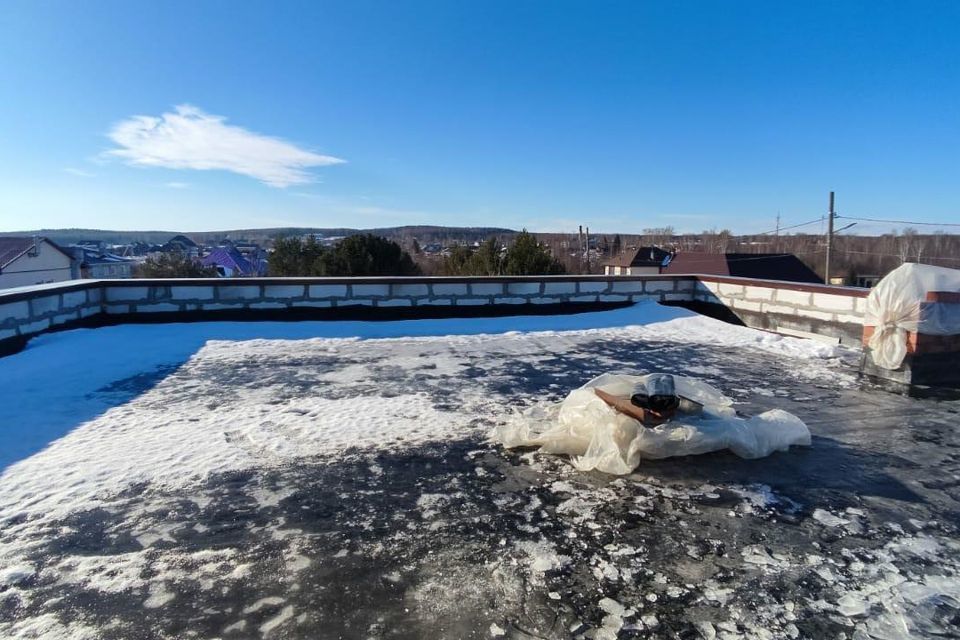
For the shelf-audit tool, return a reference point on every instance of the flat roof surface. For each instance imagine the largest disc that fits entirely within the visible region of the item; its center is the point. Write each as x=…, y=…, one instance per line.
x=222, y=480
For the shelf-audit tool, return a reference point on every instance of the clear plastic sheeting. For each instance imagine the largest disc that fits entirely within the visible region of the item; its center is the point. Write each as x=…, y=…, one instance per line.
x=597, y=436
x=896, y=306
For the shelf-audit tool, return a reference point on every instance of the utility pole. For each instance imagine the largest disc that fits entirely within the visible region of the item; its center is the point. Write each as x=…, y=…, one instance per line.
x=826, y=274
x=776, y=242
x=580, y=250
x=588, y=249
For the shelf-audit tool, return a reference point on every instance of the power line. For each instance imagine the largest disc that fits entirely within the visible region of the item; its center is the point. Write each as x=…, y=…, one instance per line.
x=689, y=256
x=793, y=226
x=930, y=224
x=896, y=255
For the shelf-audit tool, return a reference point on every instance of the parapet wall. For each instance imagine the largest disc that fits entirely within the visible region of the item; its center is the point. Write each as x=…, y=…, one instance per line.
x=134, y=296
x=791, y=308
x=777, y=306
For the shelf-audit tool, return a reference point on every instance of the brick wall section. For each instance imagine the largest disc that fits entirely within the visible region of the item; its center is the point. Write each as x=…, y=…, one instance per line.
x=330, y=293
x=28, y=311
x=789, y=307
x=46, y=307
x=777, y=306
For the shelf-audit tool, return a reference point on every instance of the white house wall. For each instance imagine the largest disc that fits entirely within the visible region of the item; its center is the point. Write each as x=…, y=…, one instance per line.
x=50, y=265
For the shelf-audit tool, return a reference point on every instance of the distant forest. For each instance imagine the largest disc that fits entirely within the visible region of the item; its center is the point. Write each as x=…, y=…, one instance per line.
x=853, y=255
x=264, y=237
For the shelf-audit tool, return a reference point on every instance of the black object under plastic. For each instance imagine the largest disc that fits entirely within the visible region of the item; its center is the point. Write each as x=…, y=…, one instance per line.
x=659, y=394
x=655, y=403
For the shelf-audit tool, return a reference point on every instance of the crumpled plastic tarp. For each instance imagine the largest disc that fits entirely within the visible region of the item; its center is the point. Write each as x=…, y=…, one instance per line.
x=596, y=436
x=896, y=307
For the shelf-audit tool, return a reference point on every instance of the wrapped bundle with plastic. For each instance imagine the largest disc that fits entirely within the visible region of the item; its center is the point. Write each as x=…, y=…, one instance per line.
x=597, y=436
x=911, y=301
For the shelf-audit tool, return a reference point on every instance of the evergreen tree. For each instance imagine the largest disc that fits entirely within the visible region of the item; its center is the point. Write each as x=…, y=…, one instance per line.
x=526, y=256
x=488, y=259
x=360, y=255
x=458, y=263
x=295, y=257
x=174, y=265
x=368, y=255
x=617, y=245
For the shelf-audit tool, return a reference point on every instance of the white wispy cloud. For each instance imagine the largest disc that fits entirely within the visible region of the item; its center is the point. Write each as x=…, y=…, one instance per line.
x=176, y=185
x=189, y=138
x=80, y=172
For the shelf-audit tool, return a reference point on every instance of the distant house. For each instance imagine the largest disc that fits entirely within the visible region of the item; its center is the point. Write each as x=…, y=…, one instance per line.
x=183, y=245
x=641, y=261
x=95, y=263
x=764, y=266
x=27, y=261
x=230, y=263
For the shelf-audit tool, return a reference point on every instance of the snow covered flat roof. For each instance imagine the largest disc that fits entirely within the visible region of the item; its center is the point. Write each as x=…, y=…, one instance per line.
x=240, y=480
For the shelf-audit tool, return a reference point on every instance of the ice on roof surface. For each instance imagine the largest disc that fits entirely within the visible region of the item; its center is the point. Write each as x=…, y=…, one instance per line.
x=261, y=480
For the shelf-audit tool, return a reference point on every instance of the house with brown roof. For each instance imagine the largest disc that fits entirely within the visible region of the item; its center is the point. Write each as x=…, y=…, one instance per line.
x=642, y=261
x=27, y=261
x=768, y=266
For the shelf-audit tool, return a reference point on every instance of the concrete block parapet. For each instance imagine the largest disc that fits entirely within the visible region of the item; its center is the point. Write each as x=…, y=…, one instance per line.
x=12, y=313
x=127, y=294
x=74, y=299
x=747, y=305
x=327, y=291
x=191, y=293
x=369, y=290
x=730, y=290
x=524, y=288
x=659, y=286
x=758, y=293
x=833, y=303
x=788, y=296
x=284, y=291
x=221, y=306
x=486, y=288
x=409, y=290
x=157, y=307
x=705, y=289
x=762, y=304
x=592, y=287
x=559, y=288
x=241, y=292
x=450, y=289
x=634, y=286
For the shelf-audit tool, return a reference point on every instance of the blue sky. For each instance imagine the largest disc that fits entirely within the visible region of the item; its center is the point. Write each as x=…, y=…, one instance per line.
x=545, y=115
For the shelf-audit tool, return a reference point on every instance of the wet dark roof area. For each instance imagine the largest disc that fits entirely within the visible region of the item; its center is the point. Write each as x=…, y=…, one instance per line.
x=461, y=539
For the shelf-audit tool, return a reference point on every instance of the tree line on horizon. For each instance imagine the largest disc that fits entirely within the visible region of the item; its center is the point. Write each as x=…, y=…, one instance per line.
x=525, y=253
x=371, y=255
